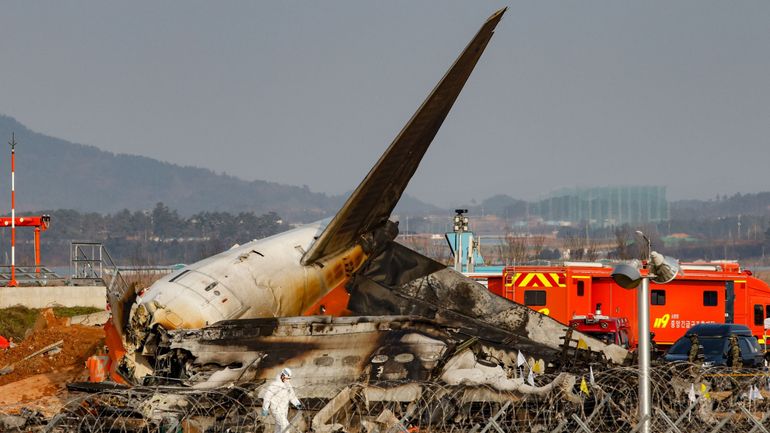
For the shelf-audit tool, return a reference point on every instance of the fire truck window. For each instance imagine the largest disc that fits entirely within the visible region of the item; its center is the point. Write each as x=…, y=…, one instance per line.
x=759, y=316
x=767, y=310
x=658, y=297
x=710, y=298
x=534, y=297
x=581, y=290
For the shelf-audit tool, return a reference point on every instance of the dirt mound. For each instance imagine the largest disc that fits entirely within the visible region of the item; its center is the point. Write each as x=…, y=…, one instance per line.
x=80, y=342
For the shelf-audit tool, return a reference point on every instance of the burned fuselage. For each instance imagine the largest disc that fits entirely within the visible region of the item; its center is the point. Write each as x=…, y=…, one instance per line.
x=409, y=332
x=326, y=353
x=323, y=351
x=258, y=279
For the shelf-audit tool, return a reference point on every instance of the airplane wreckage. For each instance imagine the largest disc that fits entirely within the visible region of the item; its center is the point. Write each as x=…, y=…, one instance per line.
x=234, y=320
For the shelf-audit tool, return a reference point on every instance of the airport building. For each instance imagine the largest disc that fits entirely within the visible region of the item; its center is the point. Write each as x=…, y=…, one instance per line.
x=604, y=206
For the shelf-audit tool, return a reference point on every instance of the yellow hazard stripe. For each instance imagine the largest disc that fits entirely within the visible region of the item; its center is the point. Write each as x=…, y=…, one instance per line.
x=526, y=280
x=513, y=280
x=544, y=280
x=555, y=277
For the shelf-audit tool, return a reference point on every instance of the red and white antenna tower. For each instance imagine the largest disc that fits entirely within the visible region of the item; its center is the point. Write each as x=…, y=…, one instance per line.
x=13, y=282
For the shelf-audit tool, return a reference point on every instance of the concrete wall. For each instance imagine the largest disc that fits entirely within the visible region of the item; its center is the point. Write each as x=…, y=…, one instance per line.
x=50, y=296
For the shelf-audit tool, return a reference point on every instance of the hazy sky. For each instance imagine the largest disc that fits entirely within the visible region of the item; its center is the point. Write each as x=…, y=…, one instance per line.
x=574, y=93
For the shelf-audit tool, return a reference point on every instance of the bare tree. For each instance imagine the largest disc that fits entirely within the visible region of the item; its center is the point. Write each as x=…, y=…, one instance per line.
x=622, y=240
x=537, y=243
x=514, y=250
x=592, y=250
x=575, y=244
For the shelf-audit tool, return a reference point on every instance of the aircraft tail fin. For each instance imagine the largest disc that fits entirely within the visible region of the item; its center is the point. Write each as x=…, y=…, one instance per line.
x=371, y=204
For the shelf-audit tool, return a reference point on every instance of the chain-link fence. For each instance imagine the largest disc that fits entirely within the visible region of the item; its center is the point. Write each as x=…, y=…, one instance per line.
x=686, y=398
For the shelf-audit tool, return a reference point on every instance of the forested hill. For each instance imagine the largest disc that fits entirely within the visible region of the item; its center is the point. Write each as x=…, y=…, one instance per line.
x=57, y=174
x=757, y=204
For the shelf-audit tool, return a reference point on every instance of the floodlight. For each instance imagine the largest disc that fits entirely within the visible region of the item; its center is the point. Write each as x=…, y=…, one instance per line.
x=647, y=240
x=663, y=268
x=626, y=275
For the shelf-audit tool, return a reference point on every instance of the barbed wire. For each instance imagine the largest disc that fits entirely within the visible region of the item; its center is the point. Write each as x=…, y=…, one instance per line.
x=691, y=397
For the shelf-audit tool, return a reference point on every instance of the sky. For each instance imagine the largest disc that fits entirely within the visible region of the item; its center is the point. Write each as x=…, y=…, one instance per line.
x=572, y=93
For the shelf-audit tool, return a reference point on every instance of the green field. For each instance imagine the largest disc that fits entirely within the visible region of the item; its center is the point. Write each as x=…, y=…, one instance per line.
x=15, y=321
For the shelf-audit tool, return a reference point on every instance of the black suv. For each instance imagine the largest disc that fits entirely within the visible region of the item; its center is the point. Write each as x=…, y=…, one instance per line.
x=714, y=342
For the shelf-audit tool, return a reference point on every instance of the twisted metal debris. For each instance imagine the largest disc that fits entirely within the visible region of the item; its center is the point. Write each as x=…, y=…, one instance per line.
x=686, y=398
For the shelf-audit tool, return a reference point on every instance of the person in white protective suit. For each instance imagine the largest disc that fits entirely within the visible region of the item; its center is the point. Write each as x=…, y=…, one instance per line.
x=277, y=398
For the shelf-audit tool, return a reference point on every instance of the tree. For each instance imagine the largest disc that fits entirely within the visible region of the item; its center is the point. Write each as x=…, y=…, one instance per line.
x=575, y=244
x=165, y=222
x=592, y=250
x=538, y=242
x=514, y=249
x=129, y=236
x=622, y=241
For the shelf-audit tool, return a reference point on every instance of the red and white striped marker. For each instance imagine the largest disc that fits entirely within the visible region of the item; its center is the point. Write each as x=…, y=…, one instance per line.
x=13, y=282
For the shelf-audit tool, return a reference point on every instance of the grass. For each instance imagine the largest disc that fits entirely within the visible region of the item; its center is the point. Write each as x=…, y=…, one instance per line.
x=74, y=311
x=15, y=321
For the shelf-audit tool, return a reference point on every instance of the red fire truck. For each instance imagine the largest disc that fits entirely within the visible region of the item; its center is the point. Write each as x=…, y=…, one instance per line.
x=715, y=292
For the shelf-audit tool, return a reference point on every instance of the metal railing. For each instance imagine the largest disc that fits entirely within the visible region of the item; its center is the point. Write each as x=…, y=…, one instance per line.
x=87, y=260
x=28, y=275
x=91, y=263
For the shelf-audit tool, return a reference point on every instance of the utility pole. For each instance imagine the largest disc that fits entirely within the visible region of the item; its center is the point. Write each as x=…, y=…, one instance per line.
x=13, y=282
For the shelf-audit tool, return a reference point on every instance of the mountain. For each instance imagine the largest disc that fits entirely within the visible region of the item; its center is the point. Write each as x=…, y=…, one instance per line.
x=57, y=174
